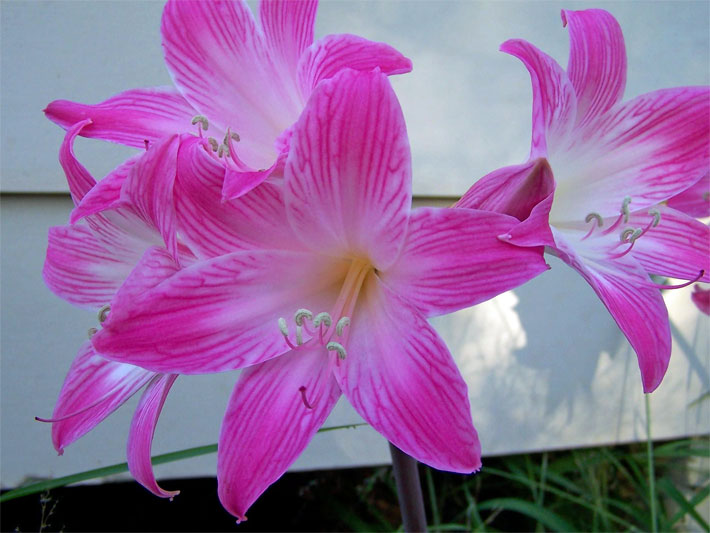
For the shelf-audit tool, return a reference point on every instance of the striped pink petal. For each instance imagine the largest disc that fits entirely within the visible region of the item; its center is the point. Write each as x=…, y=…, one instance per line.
x=275, y=410
x=348, y=173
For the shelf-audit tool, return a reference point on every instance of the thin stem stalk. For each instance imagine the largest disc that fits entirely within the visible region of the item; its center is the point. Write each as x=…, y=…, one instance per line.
x=409, y=490
x=651, y=468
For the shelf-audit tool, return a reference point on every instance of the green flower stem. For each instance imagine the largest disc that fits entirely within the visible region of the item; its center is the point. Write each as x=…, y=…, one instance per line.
x=409, y=490
x=123, y=467
x=651, y=468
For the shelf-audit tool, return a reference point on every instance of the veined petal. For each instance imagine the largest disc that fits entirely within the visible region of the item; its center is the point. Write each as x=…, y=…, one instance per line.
x=237, y=183
x=678, y=247
x=274, y=411
x=288, y=30
x=348, y=173
x=140, y=437
x=695, y=200
x=636, y=306
x=79, y=269
x=333, y=53
x=149, y=189
x=649, y=149
x=597, y=61
x=131, y=118
x=554, y=101
x=453, y=258
x=93, y=389
x=218, y=314
x=106, y=194
x=220, y=62
x=701, y=298
x=212, y=226
x=79, y=179
x=513, y=190
x=400, y=377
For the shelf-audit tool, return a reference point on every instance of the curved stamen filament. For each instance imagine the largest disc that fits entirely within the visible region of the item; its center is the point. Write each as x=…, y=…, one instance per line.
x=680, y=285
x=302, y=390
x=333, y=346
x=597, y=222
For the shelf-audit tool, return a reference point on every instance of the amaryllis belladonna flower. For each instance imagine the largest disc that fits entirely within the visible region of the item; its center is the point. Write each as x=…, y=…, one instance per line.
x=86, y=263
x=238, y=82
x=339, y=306
x=599, y=171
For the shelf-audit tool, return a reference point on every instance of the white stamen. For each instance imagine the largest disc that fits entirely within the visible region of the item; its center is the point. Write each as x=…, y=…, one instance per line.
x=340, y=326
x=299, y=335
x=625, y=208
x=103, y=313
x=656, y=214
x=324, y=318
x=283, y=327
x=300, y=315
x=213, y=143
x=202, y=120
x=595, y=216
x=336, y=347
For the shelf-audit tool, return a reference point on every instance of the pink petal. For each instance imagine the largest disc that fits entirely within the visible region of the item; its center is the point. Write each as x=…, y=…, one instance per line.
x=149, y=189
x=348, y=173
x=81, y=270
x=597, y=61
x=649, y=148
x=140, y=438
x=219, y=314
x=513, y=190
x=106, y=194
x=400, y=377
x=636, y=306
x=695, y=200
x=93, y=389
x=79, y=179
x=129, y=118
x=333, y=53
x=678, y=247
x=288, y=30
x=274, y=411
x=220, y=62
x=213, y=227
x=701, y=298
x=237, y=183
x=453, y=258
x=554, y=101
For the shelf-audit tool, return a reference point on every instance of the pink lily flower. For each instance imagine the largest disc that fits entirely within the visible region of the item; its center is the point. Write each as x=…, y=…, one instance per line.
x=695, y=200
x=598, y=172
x=701, y=298
x=244, y=81
x=339, y=306
x=86, y=264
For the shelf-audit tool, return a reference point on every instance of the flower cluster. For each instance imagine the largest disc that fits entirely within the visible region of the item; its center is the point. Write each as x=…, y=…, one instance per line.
x=265, y=224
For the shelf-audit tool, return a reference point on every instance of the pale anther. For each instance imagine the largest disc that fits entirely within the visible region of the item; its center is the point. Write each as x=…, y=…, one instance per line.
x=92, y=332
x=235, y=137
x=322, y=318
x=299, y=335
x=213, y=143
x=103, y=312
x=227, y=136
x=625, y=207
x=595, y=216
x=223, y=150
x=336, y=347
x=340, y=326
x=656, y=214
x=300, y=315
x=202, y=120
x=283, y=327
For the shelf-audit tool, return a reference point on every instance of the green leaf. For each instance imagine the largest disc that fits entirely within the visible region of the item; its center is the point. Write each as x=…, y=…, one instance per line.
x=122, y=467
x=545, y=516
x=686, y=507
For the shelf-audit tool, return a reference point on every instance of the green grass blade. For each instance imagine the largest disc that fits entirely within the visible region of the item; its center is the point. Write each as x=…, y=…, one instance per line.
x=686, y=507
x=545, y=516
x=123, y=467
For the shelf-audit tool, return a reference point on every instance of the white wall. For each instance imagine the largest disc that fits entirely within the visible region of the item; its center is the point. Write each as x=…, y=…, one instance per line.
x=546, y=365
